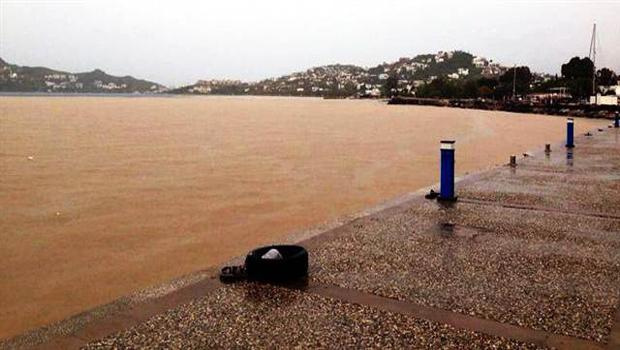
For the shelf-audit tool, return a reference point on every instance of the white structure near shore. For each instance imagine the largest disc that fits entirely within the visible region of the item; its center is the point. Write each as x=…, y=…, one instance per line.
x=607, y=100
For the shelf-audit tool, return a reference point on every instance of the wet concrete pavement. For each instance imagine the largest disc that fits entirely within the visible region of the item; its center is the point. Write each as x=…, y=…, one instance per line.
x=529, y=257
x=260, y=316
x=536, y=246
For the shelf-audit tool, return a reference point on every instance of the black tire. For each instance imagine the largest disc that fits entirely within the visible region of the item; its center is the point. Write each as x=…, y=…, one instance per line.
x=294, y=264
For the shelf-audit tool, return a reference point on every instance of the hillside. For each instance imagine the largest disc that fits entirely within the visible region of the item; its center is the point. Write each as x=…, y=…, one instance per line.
x=14, y=78
x=349, y=80
x=405, y=75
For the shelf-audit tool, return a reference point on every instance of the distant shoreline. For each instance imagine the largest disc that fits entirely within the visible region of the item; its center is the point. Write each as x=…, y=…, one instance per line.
x=124, y=94
x=558, y=109
x=78, y=94
x=576, y=110
x=162, y=95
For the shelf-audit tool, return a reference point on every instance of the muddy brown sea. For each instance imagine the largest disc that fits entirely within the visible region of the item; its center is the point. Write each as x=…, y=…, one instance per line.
x=103, y=196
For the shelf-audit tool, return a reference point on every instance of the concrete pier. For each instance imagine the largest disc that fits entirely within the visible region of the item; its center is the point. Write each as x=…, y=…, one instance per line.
x=529, y=257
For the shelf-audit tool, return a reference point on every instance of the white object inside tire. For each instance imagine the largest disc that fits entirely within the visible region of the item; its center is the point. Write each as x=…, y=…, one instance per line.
x=272, y=254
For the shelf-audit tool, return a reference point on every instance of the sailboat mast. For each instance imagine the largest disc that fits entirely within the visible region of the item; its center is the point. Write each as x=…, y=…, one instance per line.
x=514, y=82
x=593, y=58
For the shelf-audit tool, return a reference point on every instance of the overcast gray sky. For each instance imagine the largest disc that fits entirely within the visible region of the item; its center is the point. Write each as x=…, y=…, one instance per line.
x=178, y=42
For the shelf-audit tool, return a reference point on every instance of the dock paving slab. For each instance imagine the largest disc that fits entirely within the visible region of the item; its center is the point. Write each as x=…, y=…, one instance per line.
x=585, y=179
x=534, y=246
x=261, y=316
x=520, y=267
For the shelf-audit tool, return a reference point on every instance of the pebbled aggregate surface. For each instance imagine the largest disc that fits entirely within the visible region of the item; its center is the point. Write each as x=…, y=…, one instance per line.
x=260, y=316
x=556, y=270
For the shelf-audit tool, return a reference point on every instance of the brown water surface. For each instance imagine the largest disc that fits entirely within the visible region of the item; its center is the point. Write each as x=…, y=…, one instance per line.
x=124, y=193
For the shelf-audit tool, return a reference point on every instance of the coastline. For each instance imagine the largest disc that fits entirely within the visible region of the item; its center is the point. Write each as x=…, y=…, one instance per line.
x=558, y=109
x=103, y=319
x=130, y=310
x=78, y=94
x=564, y=110
x=405, y=176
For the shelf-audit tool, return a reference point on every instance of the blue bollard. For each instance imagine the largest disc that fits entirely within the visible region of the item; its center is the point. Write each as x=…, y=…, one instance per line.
x=617, y=120
x=570, y=133
x=446, y=188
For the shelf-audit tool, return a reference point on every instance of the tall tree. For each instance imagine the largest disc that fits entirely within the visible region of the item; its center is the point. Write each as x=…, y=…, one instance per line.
x=390, y=86
x=578, y=74
x=440, y=88
x=521, y=81
x=606, y=77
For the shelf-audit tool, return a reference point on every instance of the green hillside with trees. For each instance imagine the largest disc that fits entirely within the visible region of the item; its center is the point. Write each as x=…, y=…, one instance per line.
x=14, y=78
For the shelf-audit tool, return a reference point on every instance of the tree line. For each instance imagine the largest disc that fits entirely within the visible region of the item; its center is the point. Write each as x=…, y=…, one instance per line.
x=576, y=76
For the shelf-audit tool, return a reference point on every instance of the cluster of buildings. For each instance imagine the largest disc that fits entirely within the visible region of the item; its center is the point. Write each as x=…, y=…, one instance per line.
x=6, y=73
x=69, y=82
x=350, y=80
x=316, y=81
x=98, y=84
x=213, y=86
x=59, y=81
x=607, y=95
x=62, y=77
x=41, y=79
